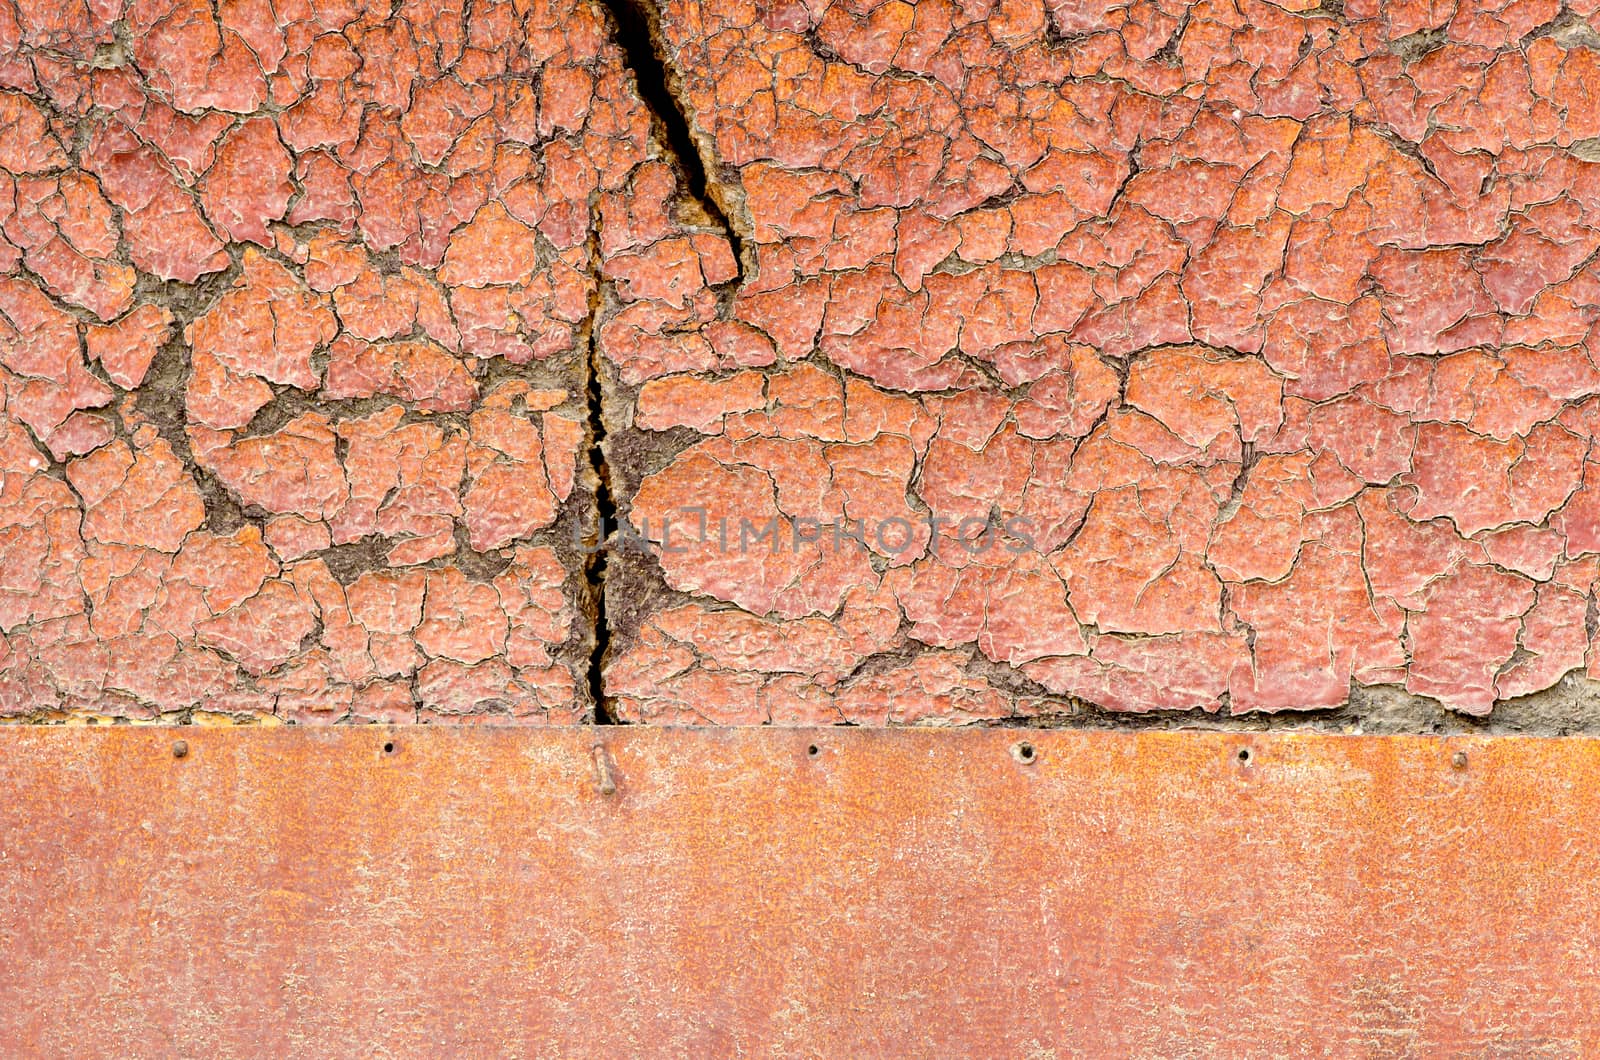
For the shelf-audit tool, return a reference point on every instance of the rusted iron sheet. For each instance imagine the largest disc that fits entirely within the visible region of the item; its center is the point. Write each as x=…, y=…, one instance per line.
x=311, y=893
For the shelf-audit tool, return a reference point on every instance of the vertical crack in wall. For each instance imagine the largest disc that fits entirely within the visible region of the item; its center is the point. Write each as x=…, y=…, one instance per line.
x=604, y=518
x=637, y=35
x=645, y=54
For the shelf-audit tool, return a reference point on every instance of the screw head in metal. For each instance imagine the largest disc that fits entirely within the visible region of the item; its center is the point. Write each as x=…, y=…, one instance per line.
x=1459, y=760
x=180, y=748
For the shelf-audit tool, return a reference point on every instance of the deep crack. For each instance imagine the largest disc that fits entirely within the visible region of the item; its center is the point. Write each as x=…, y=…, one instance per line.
x=605, y=517
x=639, y=37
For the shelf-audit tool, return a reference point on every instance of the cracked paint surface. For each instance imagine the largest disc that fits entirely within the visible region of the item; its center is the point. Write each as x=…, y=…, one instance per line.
x=294, y=314
x=1273, y=323
x=1224, y=356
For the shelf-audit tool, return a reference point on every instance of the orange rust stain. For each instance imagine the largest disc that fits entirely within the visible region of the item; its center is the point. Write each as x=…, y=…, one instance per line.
x=407, y=892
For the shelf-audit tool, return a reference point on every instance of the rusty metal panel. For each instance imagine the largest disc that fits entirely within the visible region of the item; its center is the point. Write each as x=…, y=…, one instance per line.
x=430, y=892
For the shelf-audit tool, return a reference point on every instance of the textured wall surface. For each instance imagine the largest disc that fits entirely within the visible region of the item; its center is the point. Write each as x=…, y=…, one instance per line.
x=296, y=343
x=940, y=361
x=899, y=893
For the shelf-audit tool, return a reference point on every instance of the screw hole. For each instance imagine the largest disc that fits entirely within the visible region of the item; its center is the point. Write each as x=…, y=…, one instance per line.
x=1459, y=760
x=813, y=750
x=1023, y=752
x=388, y=748
x=1244, y=756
